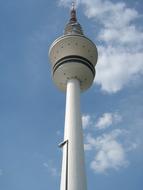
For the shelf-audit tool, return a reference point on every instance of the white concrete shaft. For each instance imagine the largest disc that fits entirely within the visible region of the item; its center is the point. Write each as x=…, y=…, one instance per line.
x=75, y=173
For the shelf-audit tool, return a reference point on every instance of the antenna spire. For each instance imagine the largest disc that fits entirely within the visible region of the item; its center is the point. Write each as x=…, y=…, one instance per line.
x=73, y=12
x=73, y=5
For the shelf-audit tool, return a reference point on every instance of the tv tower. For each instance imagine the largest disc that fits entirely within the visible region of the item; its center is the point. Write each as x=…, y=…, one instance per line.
x=73, y=57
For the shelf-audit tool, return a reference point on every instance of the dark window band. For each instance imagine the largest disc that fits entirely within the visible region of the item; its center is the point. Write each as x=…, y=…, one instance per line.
x=74, y=58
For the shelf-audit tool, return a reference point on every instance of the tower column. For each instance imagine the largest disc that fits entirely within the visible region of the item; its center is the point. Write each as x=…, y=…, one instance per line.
x=73, y=167
x=73, y=58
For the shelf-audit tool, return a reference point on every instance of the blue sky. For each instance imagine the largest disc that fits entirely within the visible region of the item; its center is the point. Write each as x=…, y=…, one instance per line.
x=32, y=108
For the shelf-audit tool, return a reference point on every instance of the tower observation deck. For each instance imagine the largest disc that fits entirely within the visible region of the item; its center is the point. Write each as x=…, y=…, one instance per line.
x=73, y=58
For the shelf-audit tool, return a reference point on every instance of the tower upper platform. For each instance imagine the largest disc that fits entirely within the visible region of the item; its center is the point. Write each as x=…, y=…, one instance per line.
x=73, y=27
x=73, y=55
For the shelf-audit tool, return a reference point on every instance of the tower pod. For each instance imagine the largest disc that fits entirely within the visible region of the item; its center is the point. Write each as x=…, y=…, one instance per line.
x=73, y=56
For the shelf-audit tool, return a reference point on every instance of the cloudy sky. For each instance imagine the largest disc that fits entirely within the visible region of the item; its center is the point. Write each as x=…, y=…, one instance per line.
x=32, y=108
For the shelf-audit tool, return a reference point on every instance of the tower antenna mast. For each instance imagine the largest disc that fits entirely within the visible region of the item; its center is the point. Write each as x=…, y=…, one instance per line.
x=74, y=4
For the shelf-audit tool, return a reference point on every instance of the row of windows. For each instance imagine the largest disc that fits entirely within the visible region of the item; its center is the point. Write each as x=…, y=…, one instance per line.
x=69, y=44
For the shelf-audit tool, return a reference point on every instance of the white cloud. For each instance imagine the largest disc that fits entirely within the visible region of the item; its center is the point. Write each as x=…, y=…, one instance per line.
x=110, y=152
x=120, y=59
x=128, y=35
x=111, y=156
x=121, y=55
x=87, y=147
x=117, y=66
x=86, y=121
x=51, y=169
x=107, y=119
x=109, y=13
